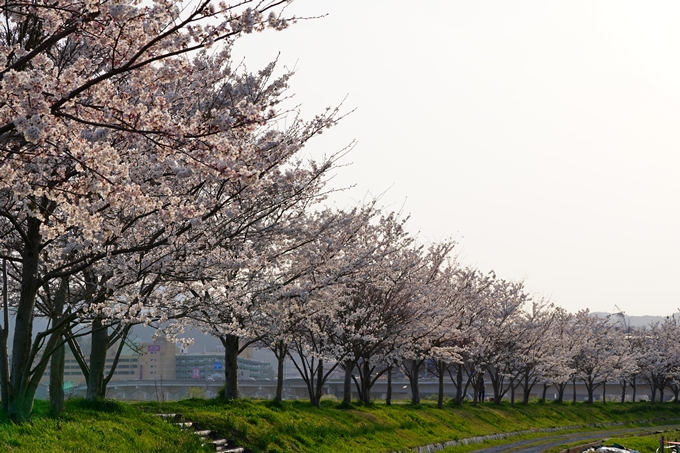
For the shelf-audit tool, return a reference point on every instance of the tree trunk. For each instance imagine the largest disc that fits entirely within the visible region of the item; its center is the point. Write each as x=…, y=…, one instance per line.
x=560, y=391
x=440, y=393
x=475, y=391
x=4, y=335
x=604, y=393
x=231, y=344
x=497, y=380
x=4, y=372
x=313, y=375
x=526, y=390
x=315, y=398
x=388, y=397
x=280, y=352
x=512, y=392
x=675, y=389
x=624, y=384
x=545, y=392
x=347, y=385
x=413, y=380
x=590, y=388
x=20, y=401
x=57, y=381
x=57, y=360
x=573, y=398
x=366, y=383
x=459, y=385
x=634, y=386
x=100, y=343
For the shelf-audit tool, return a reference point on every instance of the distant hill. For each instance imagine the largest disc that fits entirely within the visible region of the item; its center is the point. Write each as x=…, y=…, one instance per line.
x=636, y=321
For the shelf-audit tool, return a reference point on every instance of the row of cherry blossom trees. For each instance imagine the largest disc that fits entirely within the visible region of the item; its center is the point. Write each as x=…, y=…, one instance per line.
x=146, y=178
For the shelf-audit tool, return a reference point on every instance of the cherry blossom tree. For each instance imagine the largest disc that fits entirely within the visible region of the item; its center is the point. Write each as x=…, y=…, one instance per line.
x=500, y=336
x=558, y=366
x=419, y=341
x=661, y=358
x=374, y=306
x=362, y=309
x=595, y=359
x=462, y=306
x=471, y=315
x=330, y=257
x=117, y=128
x=254, y=268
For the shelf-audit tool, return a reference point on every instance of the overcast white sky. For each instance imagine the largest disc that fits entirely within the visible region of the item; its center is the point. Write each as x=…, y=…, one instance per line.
x=542, y=135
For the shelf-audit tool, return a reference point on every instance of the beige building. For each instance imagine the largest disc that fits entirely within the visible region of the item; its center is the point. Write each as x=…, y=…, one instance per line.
x=148, y=362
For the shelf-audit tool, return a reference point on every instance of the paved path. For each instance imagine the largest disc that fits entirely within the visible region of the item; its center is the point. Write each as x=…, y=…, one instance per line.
x=539, y=444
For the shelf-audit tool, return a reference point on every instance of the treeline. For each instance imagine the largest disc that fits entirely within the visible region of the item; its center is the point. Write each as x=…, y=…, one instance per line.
x=146, y=178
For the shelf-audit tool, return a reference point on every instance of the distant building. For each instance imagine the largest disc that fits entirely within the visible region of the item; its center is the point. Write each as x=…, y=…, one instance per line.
x=211, y=366
x=162, y=360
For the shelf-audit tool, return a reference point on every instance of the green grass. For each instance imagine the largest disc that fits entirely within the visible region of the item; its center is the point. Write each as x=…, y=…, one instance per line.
x=106, y=426
x=647, y=443
x=298, y=427
x=295, y=426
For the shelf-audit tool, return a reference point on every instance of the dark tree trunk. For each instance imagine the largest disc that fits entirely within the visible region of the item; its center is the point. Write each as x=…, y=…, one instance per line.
x=440, y=394
x=590, y=388
x=560, y=391
x=4, y=335
x=413, y=380
x=652, y=385
x=100, y=343
x=57, y=381
x=231, y=348
x=280, y=351
x=388, y=397
x=315, y=398
x=526, y=389
x=624, y=384
x=573, y=398
x=545, y=393
x=675, y=389
x=347, y=385
x=459, y=385
x=512, y=392
x=634, y=387
x=20, y=401
x=57, y=360
x=497, y=382
x=604, y=393
x=312, y=372
x=366, y=382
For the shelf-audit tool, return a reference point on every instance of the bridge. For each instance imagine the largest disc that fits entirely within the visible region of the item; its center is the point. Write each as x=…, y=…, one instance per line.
x=295, y=388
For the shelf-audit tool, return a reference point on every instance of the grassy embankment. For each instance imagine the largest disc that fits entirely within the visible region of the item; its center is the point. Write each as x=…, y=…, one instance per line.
x=298, y=427
x=107, y=426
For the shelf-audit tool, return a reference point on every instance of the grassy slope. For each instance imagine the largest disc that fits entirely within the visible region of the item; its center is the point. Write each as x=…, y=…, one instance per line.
x=109, y=426
x=296, y=426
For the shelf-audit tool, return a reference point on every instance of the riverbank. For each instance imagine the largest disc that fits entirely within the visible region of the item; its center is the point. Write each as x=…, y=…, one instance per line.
x=295, y=426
